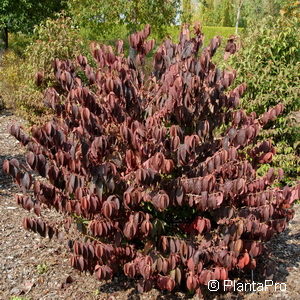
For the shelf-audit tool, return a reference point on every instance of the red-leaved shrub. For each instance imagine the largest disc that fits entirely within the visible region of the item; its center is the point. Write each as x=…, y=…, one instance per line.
x=164, y=197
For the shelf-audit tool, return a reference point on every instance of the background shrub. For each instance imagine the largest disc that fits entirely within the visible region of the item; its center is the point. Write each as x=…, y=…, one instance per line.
x=135, y=161
x=18, y=87
x=269, y=63
x=19, y=42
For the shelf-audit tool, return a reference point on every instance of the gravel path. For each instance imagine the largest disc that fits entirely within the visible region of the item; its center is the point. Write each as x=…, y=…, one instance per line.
x=35, y=268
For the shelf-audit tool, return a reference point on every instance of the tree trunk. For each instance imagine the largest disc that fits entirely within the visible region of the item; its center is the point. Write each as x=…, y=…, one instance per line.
x=5, y=37
x=238, y=16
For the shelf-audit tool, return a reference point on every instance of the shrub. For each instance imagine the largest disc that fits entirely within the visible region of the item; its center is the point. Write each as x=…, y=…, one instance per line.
x=54, y=38
x=18, y=89
x=136, y=161
x=19, y=42
x=269, y=63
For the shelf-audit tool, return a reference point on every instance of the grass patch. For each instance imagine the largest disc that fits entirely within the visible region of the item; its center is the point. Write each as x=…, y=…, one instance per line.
x=209, y=32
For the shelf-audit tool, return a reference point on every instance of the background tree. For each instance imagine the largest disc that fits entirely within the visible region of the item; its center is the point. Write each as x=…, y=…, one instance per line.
x=186, y=11
x=99, y=20
x=23, y=15
x=239, y=5
x=225, y=12
x=216, y=12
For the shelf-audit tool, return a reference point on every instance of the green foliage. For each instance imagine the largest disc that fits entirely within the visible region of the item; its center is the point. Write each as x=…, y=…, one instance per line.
x=224, y=12
x=290, y=9
x=98, y=19
x=216, y=13
x=269, y=64
x=23, y=15
x=186, y=16
x=54, y=39
x=19, y=42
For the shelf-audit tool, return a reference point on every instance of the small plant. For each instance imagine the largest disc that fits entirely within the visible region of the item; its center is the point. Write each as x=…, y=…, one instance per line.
x=42, y=268
x=96, y=292
x=159, y=171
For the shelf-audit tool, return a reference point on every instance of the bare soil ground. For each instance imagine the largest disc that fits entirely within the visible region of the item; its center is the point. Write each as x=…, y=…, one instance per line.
x=35, y=268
